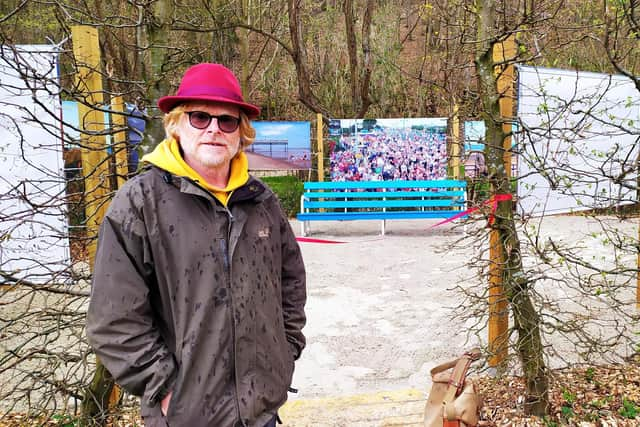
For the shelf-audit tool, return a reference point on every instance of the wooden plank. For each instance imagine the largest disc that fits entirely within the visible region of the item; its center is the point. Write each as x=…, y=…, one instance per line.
x=95, y=168
x=319, y=127
x=95, y=162
x=498, y=314
x=503, y=52
x=378, y=204
x=498, y=318
x=379, y=194
x=444, y=183
x=351, y=216
x=455, y=144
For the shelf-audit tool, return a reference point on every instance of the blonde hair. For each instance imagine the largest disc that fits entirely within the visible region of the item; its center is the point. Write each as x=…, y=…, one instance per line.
x=170, y=121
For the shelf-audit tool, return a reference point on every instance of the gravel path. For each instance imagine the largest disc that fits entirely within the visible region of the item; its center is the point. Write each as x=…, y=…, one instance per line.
x=379, y=307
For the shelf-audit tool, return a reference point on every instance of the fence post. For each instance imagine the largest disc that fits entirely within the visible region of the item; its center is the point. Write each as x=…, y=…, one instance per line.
x=95, y=170
x=455, y=147
x=498, y=310
x=95, y=162
x=320, y=147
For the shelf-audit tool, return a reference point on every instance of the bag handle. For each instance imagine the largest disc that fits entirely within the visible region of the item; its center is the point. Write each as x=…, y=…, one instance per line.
x=456, y=381
x=472, y=355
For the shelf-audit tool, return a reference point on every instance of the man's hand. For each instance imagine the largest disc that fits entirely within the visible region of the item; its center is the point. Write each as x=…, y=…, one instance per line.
x=164, y=404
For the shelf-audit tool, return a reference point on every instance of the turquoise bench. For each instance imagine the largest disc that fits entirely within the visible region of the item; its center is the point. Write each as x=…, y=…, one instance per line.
x=380, y=200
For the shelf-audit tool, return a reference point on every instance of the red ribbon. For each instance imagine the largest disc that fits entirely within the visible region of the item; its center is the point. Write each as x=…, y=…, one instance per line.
x=493, y=201
x=310, y=240
x=494, y=206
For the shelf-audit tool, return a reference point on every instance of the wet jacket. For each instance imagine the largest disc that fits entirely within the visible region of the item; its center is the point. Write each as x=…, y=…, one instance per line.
x=205, y=300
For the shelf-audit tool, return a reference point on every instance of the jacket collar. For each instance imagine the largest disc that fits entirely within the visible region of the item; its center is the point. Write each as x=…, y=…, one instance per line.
x=253, y=189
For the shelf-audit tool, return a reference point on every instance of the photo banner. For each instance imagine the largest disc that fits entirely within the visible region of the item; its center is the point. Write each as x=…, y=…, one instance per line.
x=388, y=149
x=474, y=136
x=33, y=232
x=578, y=145
x=289, y=143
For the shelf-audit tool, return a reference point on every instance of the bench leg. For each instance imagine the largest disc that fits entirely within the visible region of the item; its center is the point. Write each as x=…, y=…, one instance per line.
x=383, y=224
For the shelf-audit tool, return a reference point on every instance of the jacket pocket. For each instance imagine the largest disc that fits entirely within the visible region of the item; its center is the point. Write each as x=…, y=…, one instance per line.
x=274, y=371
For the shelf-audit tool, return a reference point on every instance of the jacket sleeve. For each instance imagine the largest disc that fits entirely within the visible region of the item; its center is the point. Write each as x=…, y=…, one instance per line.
x=294, y=291
x=121, y=325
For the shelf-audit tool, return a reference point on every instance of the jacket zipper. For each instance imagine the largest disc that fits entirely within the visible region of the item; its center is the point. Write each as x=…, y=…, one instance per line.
x=227, y=265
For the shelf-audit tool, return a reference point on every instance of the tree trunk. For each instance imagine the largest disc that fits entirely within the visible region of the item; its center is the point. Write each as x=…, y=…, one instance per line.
x=516, y=285
x=96, y=401
x=360, y=76
x=244, y=47
x=298, y=53
x=224, y=41
x=367, y=67
x=349, y=27
x=157, y=38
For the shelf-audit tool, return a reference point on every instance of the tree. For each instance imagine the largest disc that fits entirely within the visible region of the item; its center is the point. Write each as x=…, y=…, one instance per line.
x=516, y=285
x=529, y=264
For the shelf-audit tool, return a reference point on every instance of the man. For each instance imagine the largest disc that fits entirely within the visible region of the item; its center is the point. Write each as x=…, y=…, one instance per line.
x=198, y=293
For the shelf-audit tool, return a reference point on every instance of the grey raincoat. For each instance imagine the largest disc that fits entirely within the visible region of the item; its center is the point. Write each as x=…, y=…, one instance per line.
x=201, y=299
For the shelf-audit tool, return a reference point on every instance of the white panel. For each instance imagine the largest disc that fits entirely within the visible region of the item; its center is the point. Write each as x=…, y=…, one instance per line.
x=578, y=141
x=33, y=227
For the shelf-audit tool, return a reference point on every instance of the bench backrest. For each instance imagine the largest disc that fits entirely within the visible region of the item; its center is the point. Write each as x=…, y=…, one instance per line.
x=403, y=195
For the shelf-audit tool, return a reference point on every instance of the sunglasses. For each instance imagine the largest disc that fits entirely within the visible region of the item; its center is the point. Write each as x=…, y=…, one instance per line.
x=202, y=120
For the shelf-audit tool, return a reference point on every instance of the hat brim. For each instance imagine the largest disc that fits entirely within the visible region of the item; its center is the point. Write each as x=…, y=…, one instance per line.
x=167, y=103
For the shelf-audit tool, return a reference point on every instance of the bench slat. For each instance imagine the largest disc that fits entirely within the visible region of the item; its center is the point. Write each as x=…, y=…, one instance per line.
x=348, y=216
x=330, y=185
x=381, y=194
x=361, y=204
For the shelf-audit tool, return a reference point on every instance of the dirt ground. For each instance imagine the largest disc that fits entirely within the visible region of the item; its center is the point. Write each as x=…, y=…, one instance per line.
x=379, y=310
x=377, y=306
x=380, y=313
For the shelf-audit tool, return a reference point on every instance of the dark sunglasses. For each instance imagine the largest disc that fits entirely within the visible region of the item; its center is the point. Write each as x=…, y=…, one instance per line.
x=202, y=120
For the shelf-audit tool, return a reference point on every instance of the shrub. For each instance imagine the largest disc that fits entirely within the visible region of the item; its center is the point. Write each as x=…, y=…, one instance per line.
x=288, y=189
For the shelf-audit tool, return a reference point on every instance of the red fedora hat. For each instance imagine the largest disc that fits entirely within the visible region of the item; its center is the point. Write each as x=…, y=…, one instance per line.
x=209, y=82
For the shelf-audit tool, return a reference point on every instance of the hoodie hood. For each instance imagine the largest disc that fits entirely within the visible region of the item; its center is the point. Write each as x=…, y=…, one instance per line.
x=167, y=156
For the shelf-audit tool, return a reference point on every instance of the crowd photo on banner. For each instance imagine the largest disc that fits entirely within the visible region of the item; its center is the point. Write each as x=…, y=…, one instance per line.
x=388, y=149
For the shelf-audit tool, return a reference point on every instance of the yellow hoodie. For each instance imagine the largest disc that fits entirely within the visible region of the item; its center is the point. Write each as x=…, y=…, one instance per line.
x=167, y=156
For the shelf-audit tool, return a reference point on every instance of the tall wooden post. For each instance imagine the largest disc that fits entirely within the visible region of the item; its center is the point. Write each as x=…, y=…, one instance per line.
x=95, y=162
x=119, y=139
x=498, y=309
x=506, y=51
x=320, y=148
x=455, y=141
x=95, y=170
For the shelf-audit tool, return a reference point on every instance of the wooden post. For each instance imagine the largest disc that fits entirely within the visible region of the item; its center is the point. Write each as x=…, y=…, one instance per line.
x=498, y=309
x=95, y=170
x=320, y=148
x=95, y=162
x=455, y=147
x=506, y=51
x=119, y=139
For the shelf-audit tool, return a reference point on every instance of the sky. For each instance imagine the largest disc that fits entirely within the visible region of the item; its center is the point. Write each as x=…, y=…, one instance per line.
x=298, y=134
